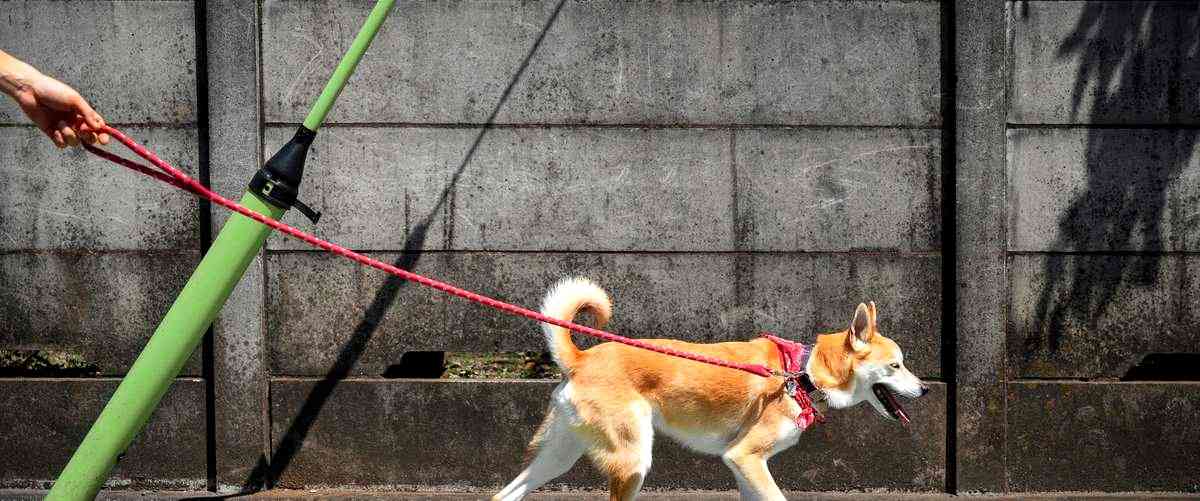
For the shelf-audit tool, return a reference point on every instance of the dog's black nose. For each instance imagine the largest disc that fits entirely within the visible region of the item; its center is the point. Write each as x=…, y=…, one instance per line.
x=924, y=390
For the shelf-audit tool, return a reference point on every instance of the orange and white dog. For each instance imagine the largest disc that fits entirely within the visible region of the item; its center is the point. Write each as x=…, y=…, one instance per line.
x=614, y=398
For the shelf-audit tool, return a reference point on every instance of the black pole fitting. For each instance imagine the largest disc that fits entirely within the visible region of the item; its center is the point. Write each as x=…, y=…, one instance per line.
x=278, y=182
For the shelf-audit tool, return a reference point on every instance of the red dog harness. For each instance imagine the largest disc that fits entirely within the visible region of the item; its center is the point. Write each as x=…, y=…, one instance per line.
x=794, y=357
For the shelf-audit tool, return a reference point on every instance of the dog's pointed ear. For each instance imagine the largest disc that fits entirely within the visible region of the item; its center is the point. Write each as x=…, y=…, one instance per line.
x=861, y=330
x=874, y=314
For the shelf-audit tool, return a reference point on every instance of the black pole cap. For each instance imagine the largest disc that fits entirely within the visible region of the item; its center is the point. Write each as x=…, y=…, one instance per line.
x=278, y=182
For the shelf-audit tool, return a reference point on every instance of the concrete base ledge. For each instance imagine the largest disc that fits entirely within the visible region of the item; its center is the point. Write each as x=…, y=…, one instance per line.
x=43, y=420
x=346, y=495
x=390, y=434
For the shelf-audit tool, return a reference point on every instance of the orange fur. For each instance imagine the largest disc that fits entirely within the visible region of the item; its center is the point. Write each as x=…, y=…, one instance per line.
x=613, y=390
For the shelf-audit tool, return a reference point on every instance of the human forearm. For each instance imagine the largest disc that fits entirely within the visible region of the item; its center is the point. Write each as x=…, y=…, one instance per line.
x=56, y=108
x=15, y=75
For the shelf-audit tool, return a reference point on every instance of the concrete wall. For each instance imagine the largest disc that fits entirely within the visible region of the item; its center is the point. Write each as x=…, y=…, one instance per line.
x=1101, y=216
x=683, y=154
x=91, y=257
x=721, y=168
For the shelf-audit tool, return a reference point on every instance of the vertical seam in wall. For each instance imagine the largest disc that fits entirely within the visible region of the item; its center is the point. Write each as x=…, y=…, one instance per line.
x=205, y=211
x=743, y=262
x=264, y=410
x=949, y=136
x=738, y=242
x=733, y=207
x=265, y=366
x=1005, y=99
x=1173, y=88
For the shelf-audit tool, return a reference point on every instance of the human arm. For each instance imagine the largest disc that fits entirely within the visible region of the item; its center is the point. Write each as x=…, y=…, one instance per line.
x=56, y=108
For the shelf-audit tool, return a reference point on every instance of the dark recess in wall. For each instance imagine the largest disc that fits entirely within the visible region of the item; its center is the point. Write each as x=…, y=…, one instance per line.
x=1165, y=367
x=419, y=365
x=45, y=363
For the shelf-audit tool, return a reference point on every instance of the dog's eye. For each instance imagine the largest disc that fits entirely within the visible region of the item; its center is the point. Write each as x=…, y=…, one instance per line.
x=896, y=366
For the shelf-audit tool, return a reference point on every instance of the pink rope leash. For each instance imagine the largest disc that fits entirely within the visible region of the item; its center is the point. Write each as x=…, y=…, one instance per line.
x=177, y=178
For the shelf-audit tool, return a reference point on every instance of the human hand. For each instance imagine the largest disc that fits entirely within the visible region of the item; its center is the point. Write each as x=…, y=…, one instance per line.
x=59, y=111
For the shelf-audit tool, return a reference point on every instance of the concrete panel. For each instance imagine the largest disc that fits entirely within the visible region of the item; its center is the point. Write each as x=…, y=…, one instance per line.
x=656, y=296
x=71, y=199
x=979, y=283
x=101, y=307
x=398, y=434
x=239, y=348
x=1095, y=316
x=133, y=61
x=598, y=189
x=46, y=419
x=378, y=188
x=855, y=63
x=676, y=296
x=234, y=133
x=322, y=310
x=833, y=190
x=1103, y=190
x=520, y=189
x=1104, y=62
x=1103, y=437
x=800, y=296
x=623, y=189
x=240, y=385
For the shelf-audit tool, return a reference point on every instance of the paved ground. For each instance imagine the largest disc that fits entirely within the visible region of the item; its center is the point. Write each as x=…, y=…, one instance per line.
x=350, y=495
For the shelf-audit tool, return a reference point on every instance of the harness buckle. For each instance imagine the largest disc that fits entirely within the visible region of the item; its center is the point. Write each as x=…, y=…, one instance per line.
x=809, y=413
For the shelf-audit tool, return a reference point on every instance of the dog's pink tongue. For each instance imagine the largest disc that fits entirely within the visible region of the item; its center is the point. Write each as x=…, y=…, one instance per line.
x=896, y=407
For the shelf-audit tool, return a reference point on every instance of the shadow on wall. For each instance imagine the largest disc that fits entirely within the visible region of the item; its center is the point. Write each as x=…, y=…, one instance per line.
x=267, y=472
x=1121, y=48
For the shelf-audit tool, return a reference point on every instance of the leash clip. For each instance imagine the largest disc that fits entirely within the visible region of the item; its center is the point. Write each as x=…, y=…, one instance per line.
x=791, y=385
x=809, y=413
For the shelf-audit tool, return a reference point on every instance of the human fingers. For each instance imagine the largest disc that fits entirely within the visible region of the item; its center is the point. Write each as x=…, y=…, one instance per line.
x=94, y=136
x=46, y=124
x=93, y=119
x=57, y=137
x=68, y=134
x=87, y=134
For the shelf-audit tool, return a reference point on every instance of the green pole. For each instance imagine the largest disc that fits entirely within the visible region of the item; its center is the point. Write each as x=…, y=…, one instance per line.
x=164, y=355
x=345, y=68
x=271, y=193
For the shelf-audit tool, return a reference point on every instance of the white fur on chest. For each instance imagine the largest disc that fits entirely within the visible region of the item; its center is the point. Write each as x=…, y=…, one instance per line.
x=789, y=432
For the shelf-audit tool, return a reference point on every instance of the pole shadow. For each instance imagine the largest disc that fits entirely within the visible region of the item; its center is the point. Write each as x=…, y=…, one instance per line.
x=267, y=472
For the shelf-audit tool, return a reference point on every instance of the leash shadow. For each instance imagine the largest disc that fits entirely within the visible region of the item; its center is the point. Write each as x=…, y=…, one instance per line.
x=268, y=471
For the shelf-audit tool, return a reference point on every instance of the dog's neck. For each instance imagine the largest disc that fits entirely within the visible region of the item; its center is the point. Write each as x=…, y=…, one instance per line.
x=831, y=369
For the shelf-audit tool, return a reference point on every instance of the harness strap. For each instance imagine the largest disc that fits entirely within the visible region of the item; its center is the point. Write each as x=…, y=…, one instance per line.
x=797, y=384
x=177, y=178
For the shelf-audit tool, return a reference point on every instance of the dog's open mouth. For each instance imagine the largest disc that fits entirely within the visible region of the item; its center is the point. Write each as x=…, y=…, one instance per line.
x=888, y=399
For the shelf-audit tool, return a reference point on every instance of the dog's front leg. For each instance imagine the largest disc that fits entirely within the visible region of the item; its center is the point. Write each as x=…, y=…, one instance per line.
x=755, y=482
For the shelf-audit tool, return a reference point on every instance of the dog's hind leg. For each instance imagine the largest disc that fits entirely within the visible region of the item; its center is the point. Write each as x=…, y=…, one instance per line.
x=554, y=449
x=624, y=451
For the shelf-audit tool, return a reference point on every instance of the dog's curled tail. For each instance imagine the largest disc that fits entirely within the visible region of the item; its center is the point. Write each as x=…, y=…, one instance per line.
x=565, y=300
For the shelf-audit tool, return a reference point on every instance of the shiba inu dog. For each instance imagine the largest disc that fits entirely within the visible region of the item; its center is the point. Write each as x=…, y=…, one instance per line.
x=614, y=397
